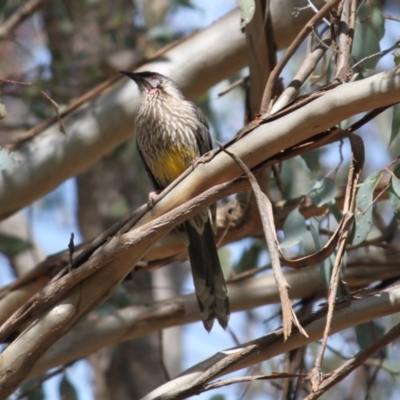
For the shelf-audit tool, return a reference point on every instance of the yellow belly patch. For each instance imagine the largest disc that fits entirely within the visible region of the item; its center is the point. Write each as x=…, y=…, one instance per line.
x=172, y=162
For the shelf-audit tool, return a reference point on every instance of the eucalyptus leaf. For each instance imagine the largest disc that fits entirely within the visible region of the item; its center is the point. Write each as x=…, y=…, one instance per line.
x=312, y=160
x=294, y=229
x=6, y=159
x=323, y=192
x=392, y=366
x=334, y=209
x=185, y=3
x=364, y=203
x=325, y=268
x=248, y=8
x=34, y=388
x=11, y=246
x=395, y=180
x=394, y=202
x=369, y=31
x=225, y=257
x=395, y=129
x=367, y=334
x=249, y=258
x=218, y=397
x=3, y=111
x=396, y=58
x=67, y=390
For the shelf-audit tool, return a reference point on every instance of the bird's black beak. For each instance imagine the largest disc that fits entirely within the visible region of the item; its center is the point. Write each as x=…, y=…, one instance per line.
x=138, y=78
x=132, y=75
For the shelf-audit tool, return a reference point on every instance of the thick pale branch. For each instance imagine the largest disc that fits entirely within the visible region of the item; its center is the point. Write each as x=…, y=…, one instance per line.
x=106, y=120
x=269, y=88
x=162, y=251
x=271, y=138
x=19, y=16
x=112, y=263
x=306, y=69
x=129, y=323
x=271, y=345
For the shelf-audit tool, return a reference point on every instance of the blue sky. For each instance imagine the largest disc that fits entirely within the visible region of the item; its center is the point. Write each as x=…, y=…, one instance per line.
x=52, y=227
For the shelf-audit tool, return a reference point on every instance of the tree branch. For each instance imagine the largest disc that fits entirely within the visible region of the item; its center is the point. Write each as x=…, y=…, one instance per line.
x=87, y=337
x=24, y=12
x=105, y=121
x=272, y=344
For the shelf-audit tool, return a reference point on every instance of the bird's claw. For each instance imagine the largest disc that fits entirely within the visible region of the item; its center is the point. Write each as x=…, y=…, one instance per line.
x=203, y=159
x=151, y=200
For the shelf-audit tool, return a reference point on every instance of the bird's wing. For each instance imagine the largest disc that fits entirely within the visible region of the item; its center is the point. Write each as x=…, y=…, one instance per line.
x=149, y=173
x=203, y=137
x=204, y=142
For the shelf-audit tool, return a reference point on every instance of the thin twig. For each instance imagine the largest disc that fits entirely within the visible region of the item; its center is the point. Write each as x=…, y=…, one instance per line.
x=391, y=17
x=322, y=43
x=307, y=67
x=368, y=117
x=52, y=102
x=19, y=16
x=237, y=83
x=379, y=53
x=39, y=382
x=56, y=289
x=346, y=26
x=324, y=252
x=269, y=88
x=267, y=220
x=164, y=368
x=340, y=373
x=71, y=248
x=348, y=208
x=231, y=381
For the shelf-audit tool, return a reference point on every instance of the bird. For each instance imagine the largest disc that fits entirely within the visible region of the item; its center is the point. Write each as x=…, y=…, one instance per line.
x=171, y=134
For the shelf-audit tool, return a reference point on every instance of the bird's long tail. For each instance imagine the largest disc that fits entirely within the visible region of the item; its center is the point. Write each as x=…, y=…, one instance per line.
x=208, y=278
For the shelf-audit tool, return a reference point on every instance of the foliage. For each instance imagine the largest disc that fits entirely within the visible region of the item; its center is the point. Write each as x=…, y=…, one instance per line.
x=335, y=195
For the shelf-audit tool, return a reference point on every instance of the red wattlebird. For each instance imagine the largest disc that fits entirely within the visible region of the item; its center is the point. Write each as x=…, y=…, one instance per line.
x=171, y=133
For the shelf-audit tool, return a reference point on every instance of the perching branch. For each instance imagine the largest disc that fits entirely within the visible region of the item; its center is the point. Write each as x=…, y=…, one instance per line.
x=104, y=119
x=24, y=12
x=272, y=344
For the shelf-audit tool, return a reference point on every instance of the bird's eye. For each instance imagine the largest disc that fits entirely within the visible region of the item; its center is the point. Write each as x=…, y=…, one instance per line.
x=154, y=77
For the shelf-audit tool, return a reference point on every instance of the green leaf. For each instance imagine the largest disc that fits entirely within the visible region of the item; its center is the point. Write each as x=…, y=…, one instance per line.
x=370, y=29
x=161, y=33
x=312, y=160
x=225, y=257
x=249, y=258
x=67, y=390
x=395, y=180
x=185, y=3
x=323, y=192
x=363, y=213
x=11, y=246
x=294, y=229
x=6, y=159
x=394, y=202
x=337, y=214
x=367, y=334
x=392, y=366
x=3, y=111
x=248, y=8
x=325, y=268
x=395, y=123
x=34, y=389
x=396, y=58
x=295, y=177
x=217, y=397
x=314, y=229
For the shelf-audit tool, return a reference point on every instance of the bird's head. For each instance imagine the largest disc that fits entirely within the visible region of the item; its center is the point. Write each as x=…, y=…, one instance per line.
x=152, y=83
